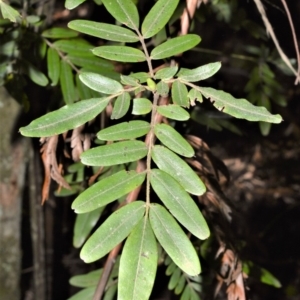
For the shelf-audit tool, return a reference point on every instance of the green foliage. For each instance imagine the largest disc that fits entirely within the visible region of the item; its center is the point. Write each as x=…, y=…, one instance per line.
x=89, y=86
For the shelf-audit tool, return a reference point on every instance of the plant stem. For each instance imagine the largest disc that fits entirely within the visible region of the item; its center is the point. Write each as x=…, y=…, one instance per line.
x=148, y=59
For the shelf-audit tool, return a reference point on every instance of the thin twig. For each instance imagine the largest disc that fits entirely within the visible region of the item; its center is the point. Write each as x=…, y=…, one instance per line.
x=294, y=38
x=273, y=36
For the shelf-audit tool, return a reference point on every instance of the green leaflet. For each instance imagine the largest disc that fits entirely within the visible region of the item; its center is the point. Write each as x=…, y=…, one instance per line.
x=113, y=231
x=59, y=33
x=141, y=106
x=114, y=154
x=128, y=80
x=158, y=17
x=195, y=95
x=71, y=4
x=91, y=62
x=107, y=190
x=175, y=46
x=74, y=46
x=67, y=83
x=174, y=112
x=200, y=73
x=173, y=140
x=180, y=93
x=179, y=203
x=35, y=74
x=166, y=73
x=8, y=12
x=83, y=91
x=100, y=83
x=239, y=108
x=174, y=279
x=125, y=130
x=172, y=164
x=124, y=11
x=140, y=76
x=86, y=293
x=163, y=89
x=86, y=280
x=120, y=53
x=138, y=263
x=53, y=65
x=84, y=224
x=104, y=31
x=65, y=118
x=121, y=106
x=173, y=240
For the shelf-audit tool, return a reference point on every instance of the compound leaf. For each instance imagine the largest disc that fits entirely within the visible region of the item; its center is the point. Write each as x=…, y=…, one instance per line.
x=120, y=53
x=173, y=140
x=114, y=154
x=66, y=118
x=124, y=11
x=239, y=108
x=125, y=130
x=138, y=263
x=173, y=240
x=200, y=73
x=158, y=17
x=172, y=164
x=121, y=106
x=179, y=203
x=100, y=83
x=175, y=46
x=107, y=190
x=174, y=112
x=104, y=31
x=113, y=231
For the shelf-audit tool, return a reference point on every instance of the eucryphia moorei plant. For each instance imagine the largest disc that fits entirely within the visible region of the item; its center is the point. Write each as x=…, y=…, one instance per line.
x=145, y=151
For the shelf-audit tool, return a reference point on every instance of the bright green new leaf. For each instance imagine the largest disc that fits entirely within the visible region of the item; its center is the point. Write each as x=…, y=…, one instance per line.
x=174, y=112
x=174, y=240
x=77, y=47
x=166, y=73
x=59, y=33
x=8, y=12
x=104, y=31
x=239, y=108
x=175, y=46
x=172, y=164
x=113, y=231
x=163, y=89
x=65, y=118
x=125, y=130
x=141, y=106
x=158, y=17
x=100, y=83
x=107, y=190
x=84, y=224
x=71, y=4
x=179, y=203
x=121, y=106
x=195, y=95
x=200, y=73
x=180, y=93
x=120, y=53
x=114, y=154
x=173, y=140
x=124, y=11
x=87, y=293
x=67, y=83
x=138, y=263
x=53, y=64
x=36, y=75
x=86, y=280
